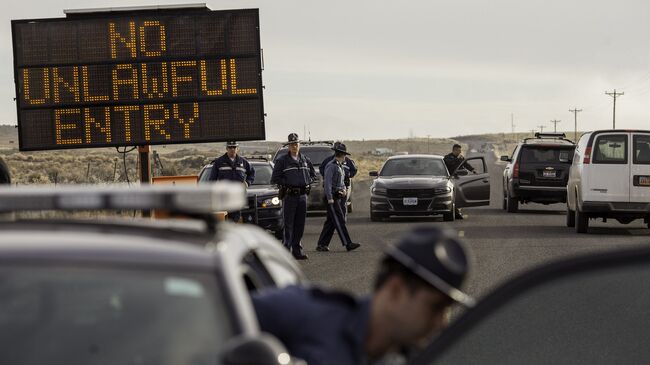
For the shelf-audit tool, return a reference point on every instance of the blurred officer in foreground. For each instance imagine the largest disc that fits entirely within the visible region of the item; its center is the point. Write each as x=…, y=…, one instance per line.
x=417, y=282
x=336, y=196
x=293, y=173
x=349, y=167
x=232, y=167
x=454, y=160
x=5, y=176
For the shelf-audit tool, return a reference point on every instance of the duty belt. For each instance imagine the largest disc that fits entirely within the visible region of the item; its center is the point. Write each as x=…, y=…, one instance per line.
x=297, y=191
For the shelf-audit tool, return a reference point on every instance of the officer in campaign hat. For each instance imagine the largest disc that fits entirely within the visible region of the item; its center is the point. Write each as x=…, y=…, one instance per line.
x=293, y=173
x=336, y=197
x=418, y=281
x=232, y=167
x=349, y=168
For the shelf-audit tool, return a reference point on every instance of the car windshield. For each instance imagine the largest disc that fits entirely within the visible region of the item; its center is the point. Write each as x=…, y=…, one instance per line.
x=414, y=166
x=262, y=174
x=539, y=154
x=205, y=174
x=315, y=154
x=105, y=316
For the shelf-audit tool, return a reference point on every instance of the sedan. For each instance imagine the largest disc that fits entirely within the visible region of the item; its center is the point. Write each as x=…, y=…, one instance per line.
x=421, y=185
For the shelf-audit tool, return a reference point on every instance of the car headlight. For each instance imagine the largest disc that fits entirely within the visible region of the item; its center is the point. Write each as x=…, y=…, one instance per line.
x=442, y=190
x=271, y=202
x=379, y=191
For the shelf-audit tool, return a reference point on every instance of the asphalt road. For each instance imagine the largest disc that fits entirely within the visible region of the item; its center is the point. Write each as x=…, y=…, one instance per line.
x=501, y=244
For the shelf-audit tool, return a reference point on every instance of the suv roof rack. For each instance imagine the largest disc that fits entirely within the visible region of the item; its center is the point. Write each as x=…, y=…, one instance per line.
x=549, y=135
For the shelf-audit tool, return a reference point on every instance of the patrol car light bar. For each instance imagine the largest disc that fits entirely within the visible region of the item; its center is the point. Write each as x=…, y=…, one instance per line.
x=196, y=199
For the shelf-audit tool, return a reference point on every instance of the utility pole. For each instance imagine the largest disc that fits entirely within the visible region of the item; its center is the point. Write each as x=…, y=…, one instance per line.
x=614, y=95
x=575, y=112
x=555, y=122
x=512, y=123
x=541, y=128
x=532, y=132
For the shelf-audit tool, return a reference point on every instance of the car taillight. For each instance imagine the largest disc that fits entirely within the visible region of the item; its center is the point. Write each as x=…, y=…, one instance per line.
x=515, y=170
x=587, y=158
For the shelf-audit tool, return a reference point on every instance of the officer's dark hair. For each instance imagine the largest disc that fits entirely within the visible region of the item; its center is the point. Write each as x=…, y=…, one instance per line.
x=457, y=146
x=390, y=267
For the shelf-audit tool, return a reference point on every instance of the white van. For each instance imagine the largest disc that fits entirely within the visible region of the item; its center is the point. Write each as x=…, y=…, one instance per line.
x=609, y=178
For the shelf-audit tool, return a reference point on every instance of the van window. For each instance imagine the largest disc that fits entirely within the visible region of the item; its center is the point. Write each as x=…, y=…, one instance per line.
x=611, y=149
x=642, y=149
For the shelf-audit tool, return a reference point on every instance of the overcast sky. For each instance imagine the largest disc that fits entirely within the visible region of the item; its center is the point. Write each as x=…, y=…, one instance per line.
x=388, y=69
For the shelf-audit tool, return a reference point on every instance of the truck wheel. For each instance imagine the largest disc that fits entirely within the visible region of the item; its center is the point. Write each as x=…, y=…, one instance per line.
x=512, y=204
x=581, y=222
x=570, y=217
x=505, y=200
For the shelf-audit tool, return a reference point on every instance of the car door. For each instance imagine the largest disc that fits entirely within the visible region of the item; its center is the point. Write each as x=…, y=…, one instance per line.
x=605, y=178
x=640, y=169
x=472, y=190
x=586, y=310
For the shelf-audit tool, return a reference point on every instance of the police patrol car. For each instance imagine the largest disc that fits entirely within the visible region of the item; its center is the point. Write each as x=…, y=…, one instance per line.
x=135, y=291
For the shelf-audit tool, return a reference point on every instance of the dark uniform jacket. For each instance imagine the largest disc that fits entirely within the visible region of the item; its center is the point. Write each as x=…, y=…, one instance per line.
x=291, y=173
x=239, y=170
x=323, y=328
x=349, y=167
x=453, y=162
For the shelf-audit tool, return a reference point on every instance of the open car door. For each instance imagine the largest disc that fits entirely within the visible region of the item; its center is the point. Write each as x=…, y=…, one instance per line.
x=586, y=310
x=472, y=190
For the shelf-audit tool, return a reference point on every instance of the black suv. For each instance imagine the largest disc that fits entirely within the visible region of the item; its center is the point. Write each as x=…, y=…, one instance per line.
x=537, y=171
x=264, y=207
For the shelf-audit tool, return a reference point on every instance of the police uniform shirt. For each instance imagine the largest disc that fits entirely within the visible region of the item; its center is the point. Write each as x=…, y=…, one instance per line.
x=293, y=172
x=224, y=168
x=348, y=165
x=333, y=178
x=453, y=162
x=323, y=328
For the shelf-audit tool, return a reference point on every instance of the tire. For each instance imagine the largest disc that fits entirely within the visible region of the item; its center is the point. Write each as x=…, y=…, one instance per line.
x=581, y=222
x=570, y=217
x=375, y=217
x=350, y=207
x=451, y=216
x=512, y=204
x=505, y=201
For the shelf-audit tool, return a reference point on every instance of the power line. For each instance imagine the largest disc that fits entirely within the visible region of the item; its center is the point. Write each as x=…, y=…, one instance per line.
x=614, y=95
x=575, y=112
x=555, y=122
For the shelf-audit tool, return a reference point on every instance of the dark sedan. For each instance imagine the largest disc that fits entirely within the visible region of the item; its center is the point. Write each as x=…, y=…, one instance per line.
x=264, y=207
x=421, y=185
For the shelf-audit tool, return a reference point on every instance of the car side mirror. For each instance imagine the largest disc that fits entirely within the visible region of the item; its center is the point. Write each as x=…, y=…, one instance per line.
x=506, y=158
x=262, y=349
x=373, y=173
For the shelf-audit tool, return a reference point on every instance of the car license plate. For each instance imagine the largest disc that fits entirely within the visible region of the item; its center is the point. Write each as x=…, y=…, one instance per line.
x=644, y=180
x=548, y=173
x=410, y=201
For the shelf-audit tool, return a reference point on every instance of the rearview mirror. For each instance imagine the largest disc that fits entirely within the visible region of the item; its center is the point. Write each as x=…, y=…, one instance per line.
x=262, y=349
x=505, y=158
x=373, y=173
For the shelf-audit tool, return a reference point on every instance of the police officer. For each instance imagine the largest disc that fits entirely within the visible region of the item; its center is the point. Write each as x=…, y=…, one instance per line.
x=293, y=173
x=232, y=167
x=349, y=167
x=454, y=160
x=335, y=194
x=418, y=281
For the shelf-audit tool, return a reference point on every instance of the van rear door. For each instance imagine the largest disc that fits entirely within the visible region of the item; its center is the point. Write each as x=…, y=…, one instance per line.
x=606, y=177
x=640, y=174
